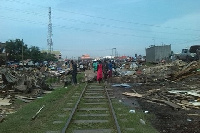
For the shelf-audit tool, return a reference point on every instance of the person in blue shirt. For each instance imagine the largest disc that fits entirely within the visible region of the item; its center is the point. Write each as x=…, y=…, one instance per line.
x=110, y=69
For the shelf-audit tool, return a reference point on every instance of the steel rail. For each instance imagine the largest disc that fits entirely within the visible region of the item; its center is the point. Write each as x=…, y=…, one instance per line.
x=73, y=111
x=113, y=112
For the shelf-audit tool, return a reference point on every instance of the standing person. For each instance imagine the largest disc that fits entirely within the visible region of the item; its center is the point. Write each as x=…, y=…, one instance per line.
x=105, y=70
x=95, y=64
x=110, y=69
x=99, y=72
x=74, y=72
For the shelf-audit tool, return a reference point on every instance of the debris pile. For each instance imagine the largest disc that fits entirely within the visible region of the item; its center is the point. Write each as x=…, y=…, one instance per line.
x=170, y=91
x=160, y=74
x=188, y=70
x=23, y=81
x=24, y=85
x=174, y=98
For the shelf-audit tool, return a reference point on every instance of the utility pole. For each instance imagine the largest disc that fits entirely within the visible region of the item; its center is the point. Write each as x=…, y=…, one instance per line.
x=22, y=54
x=115, y=51
x=6, y=57
x=49, y=39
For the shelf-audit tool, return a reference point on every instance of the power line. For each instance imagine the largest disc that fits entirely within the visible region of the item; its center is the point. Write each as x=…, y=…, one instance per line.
x=98, y=24
x=187, y=42
x=110, y=19
x=23, y=11
x=89, y=30
x=117, y=27
x=22, y=20
x=130, y=22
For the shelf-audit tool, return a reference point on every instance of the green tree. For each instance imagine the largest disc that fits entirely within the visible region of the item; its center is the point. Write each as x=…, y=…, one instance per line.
x=48, y=57
x=35, y=54
x=14, y=49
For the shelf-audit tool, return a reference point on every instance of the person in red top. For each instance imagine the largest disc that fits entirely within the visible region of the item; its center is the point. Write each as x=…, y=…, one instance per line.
x=99, y=72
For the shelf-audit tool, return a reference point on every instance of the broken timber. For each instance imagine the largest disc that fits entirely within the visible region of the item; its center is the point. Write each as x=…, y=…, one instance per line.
x=132, y=94
x=175, y=106
x=33, y=118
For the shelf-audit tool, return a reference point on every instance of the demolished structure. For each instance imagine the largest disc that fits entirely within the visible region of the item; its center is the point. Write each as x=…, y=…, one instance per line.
x=24, y=85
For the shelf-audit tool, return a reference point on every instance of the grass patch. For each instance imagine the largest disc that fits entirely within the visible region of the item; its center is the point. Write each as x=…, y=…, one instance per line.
x=132, y=120
x=54, y=104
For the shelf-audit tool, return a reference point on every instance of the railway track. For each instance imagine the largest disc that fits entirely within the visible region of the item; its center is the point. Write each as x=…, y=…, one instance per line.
x=93, y=112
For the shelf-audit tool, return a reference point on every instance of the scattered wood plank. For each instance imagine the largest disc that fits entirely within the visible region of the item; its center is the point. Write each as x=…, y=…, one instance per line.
x=173, y=105
x=132, y=94
x=4, y=101
x=134, y=90
x=24, y=99
x=47, y=92
x=188, y=106
x=193, y=114
x=33, y=118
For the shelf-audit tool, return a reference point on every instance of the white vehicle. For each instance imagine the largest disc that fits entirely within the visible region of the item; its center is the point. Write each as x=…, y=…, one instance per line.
x=30, y=63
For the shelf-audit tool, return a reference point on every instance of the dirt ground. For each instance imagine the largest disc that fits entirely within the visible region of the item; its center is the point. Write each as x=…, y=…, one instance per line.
x=167, y=119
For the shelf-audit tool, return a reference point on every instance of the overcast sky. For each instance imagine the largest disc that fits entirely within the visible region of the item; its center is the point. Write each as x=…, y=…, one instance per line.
x=95, y=27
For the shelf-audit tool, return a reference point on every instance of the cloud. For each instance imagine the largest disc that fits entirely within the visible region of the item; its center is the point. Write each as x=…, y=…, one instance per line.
x=180, y=32
x=187, y=26
x=190, y=21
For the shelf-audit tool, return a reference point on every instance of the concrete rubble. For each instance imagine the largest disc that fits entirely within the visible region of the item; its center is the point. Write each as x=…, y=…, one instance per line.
x=25, y=85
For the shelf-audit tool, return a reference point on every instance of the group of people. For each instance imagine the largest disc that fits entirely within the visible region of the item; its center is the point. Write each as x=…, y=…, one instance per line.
x=103, y=69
